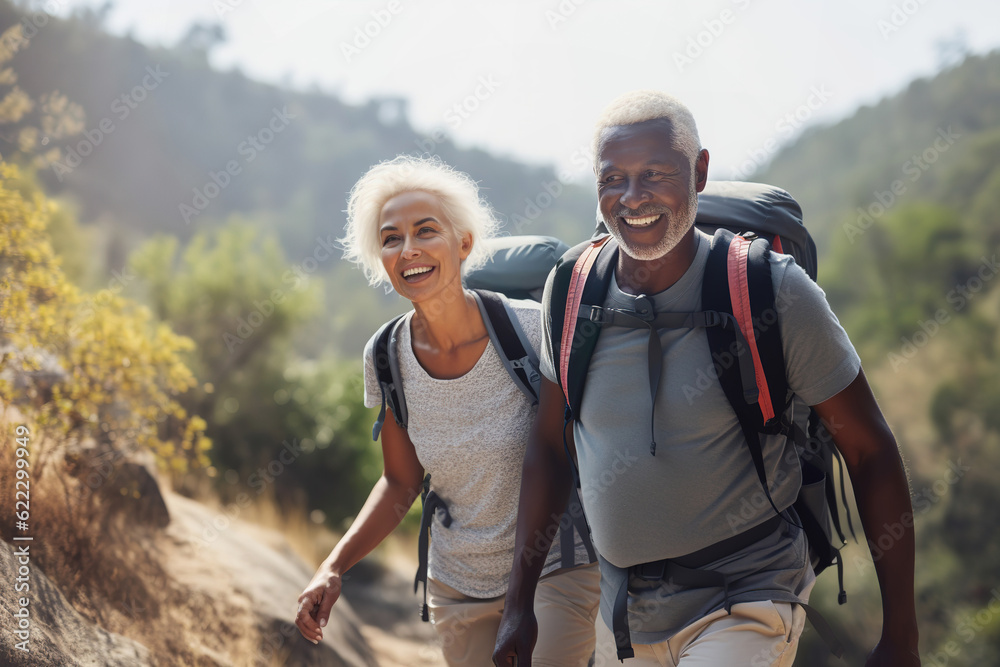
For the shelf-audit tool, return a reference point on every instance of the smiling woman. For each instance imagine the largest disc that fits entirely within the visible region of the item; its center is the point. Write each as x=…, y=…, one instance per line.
x=417, y=224
x=455, y=192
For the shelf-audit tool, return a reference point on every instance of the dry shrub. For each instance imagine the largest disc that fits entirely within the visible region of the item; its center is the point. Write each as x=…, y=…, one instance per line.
x=98, y=561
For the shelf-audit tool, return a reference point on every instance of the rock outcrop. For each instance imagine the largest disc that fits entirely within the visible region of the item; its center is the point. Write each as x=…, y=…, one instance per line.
x=57, y=634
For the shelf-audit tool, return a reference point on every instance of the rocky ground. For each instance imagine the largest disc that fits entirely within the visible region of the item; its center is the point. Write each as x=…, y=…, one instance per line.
x=224, y=597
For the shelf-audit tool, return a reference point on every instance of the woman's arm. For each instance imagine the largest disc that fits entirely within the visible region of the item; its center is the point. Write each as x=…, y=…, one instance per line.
x=386, y=506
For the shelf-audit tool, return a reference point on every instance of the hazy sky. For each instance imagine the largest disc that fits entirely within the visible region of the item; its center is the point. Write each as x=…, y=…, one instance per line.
x=527, y=79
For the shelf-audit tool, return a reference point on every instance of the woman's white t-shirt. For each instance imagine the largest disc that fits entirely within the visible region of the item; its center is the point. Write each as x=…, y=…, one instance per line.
x=470, y=434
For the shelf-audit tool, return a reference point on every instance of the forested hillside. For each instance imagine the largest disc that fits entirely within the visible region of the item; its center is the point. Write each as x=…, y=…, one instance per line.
x=904, y=201
x=192, y=120
x=183, y=203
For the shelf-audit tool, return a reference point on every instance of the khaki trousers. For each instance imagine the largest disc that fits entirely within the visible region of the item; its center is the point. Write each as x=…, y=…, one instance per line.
x=566, y=603
x=756, y=634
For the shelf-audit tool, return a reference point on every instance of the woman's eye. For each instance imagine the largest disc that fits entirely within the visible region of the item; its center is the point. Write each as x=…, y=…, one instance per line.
x=389, y=239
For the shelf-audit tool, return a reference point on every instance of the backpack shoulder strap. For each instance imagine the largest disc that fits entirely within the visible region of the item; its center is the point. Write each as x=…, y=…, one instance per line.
x=582, y=276
x=386, y=363
x=510, y=341
x=738, y=282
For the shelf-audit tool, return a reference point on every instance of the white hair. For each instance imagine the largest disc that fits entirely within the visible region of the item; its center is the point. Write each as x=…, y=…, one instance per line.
x=457, y=192
x=639, y=106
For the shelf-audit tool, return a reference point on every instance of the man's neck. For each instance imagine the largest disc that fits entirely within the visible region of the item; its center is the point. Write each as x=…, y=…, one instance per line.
x=653, y=276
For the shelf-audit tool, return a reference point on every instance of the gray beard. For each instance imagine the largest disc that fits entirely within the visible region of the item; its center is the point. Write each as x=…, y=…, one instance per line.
x=676, y=227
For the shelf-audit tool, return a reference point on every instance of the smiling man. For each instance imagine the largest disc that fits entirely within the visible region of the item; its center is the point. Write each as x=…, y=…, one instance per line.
x=692, y=589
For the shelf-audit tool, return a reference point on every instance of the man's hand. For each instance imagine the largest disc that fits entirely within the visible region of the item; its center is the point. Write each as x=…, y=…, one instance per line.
x=888, y=654
x=516, y=637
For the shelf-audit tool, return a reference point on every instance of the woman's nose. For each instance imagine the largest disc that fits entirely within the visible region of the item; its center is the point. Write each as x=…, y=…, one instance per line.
x=410, y=249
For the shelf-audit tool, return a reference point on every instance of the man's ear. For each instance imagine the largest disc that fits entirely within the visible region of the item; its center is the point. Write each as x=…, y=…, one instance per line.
x=701, y=170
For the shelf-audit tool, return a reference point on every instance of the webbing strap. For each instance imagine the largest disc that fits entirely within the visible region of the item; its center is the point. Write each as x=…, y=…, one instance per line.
x=645, y=318
x=581, y=269
x=432, y=503
x=577, y=522
x=823, y=629
x=387, y=372
x=515, y=351
x=739, y=292
x=683, y=571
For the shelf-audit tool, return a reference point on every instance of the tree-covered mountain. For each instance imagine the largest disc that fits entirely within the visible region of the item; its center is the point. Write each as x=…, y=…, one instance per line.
x=903, y=198
x=160, y=123
x=939, y=140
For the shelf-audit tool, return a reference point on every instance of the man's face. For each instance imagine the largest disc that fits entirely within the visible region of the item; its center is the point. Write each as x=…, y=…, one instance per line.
x=648, y=191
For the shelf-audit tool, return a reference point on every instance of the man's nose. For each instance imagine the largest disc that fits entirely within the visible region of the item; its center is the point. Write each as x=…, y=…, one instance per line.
x=634, y=195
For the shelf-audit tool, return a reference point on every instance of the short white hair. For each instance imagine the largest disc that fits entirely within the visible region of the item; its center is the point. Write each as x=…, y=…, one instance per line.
x=639, y=106
x=456, y=190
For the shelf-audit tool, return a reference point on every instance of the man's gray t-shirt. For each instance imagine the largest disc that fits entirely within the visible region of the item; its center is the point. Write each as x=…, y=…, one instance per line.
x=701, y=487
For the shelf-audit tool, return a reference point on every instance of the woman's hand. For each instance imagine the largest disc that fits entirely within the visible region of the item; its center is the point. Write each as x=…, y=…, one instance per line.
x=316, y=602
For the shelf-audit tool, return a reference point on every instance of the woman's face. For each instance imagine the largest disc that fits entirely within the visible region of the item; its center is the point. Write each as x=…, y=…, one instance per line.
x=421, y=250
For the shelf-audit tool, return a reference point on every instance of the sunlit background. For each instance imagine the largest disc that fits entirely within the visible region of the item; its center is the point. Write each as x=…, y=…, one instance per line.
x=183, y=339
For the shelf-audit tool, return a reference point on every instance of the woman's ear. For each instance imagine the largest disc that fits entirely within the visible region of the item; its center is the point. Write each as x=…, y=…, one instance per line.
x=465, y=245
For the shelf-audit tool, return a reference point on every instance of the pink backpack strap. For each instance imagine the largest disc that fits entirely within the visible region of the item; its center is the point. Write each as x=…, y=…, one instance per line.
x=776, y=245
x=739, y=294
x=581, y=269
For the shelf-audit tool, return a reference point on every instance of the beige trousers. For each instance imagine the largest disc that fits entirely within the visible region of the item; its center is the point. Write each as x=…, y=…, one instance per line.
x=566, y=604
x=756, y=634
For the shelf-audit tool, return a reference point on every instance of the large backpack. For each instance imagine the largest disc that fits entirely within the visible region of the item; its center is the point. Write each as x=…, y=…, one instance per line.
x=521, y=363
x=746, y=220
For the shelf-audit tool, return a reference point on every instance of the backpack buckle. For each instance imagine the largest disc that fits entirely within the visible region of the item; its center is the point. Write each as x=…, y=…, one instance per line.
x=595, y=314
x=643, y=308
x=654, y=571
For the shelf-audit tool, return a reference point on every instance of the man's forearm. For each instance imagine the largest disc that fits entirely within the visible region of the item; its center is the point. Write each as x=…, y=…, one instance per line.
x=545, y=487
x=883, y=497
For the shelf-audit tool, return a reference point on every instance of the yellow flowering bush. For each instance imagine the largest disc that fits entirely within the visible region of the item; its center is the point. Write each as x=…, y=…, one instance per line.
x=86, y=365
